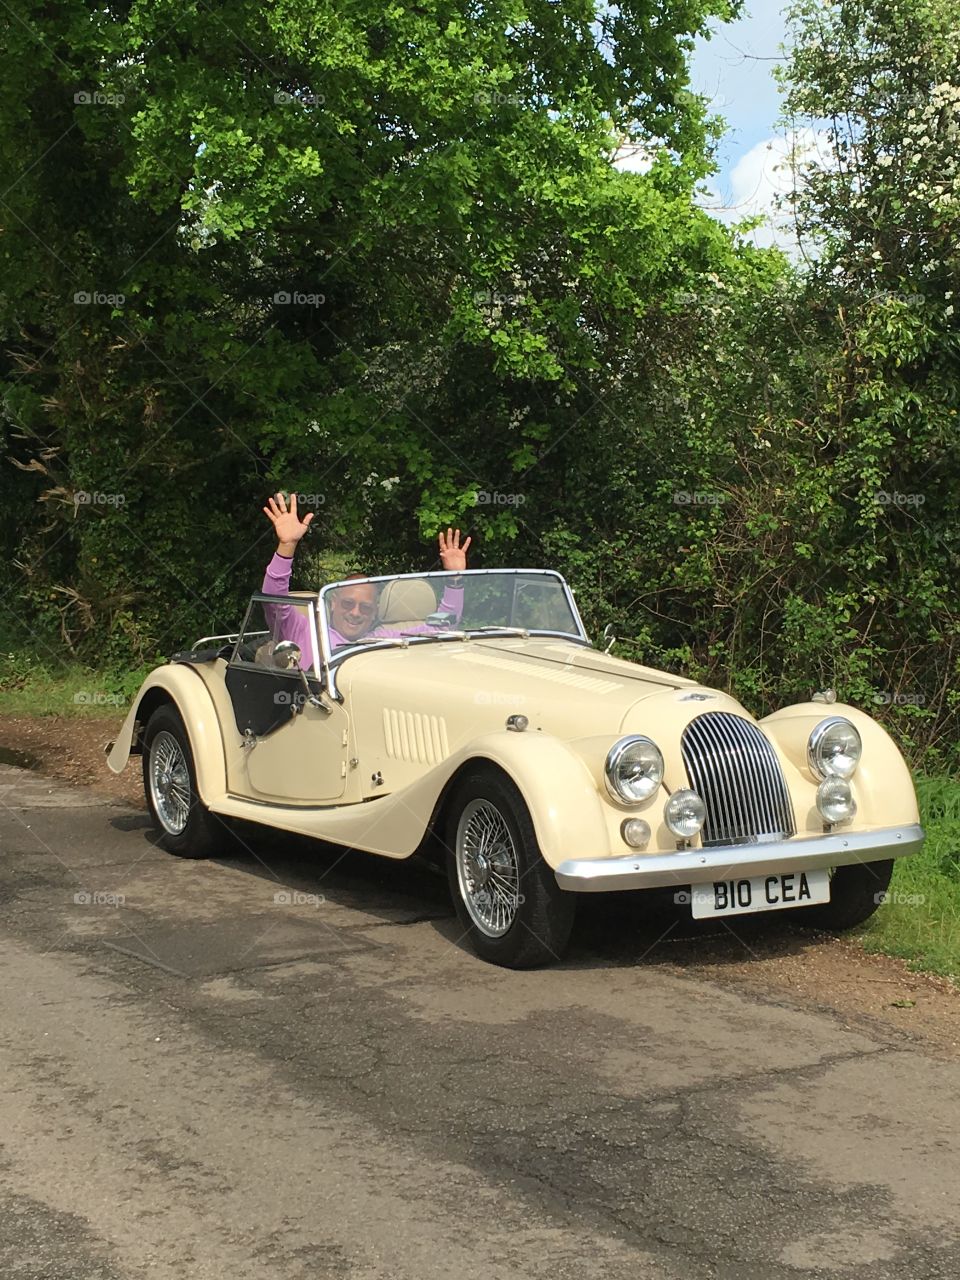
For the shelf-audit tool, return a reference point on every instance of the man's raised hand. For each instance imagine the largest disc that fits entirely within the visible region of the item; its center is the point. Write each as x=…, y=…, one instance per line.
x=289, y=527
x=452, y=554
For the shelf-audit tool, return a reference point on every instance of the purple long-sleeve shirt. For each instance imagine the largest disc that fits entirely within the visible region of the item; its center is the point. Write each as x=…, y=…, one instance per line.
x=290, y=623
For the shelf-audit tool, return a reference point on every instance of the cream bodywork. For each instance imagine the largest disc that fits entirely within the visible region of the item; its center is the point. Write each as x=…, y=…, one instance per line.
x=370, y=771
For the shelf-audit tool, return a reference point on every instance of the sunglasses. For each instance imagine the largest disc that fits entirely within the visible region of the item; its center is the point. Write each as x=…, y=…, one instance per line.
x=361, y=606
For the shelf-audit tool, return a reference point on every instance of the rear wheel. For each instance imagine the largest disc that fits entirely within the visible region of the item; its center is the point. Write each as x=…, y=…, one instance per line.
x=170, y=783
x=506, y=897
x=855, y=893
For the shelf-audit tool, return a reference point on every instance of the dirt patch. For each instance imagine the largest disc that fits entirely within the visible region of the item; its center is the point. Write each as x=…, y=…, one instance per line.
x=71, y=748
x=829, y=973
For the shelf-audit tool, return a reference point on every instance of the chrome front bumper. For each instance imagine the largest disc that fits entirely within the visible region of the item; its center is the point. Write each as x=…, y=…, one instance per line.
x=735, y=862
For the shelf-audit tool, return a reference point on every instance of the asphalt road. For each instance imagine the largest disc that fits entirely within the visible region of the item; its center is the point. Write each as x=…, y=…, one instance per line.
x=282, y=1064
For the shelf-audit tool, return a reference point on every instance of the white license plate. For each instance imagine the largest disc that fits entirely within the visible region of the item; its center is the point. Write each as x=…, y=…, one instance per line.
x=759, y=893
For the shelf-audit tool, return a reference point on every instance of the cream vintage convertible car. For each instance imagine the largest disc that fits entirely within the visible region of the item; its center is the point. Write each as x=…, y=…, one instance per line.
x=540, y=766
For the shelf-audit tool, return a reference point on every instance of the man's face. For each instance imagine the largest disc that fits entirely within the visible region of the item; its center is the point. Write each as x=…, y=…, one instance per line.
x=353, y=609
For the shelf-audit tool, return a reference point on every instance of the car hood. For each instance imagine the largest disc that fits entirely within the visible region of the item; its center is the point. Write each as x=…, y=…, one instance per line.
x=562, y=688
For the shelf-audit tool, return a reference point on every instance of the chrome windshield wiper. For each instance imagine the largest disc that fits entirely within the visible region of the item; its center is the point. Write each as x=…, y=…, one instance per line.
x=504, y=631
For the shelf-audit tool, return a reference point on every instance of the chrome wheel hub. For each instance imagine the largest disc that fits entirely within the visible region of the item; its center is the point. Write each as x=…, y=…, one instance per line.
x=488, y=869
x=169, y=783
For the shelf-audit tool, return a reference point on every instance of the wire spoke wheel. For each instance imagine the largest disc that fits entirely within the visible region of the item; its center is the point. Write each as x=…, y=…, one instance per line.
x=488, y=868
x=169, y=783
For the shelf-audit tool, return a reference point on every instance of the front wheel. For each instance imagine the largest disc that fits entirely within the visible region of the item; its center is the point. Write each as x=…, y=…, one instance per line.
x=855, y=893
x=170, y=784
x=506, y=897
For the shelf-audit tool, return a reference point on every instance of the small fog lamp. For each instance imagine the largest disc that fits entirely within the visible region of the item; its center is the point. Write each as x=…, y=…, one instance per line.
x=635, y=832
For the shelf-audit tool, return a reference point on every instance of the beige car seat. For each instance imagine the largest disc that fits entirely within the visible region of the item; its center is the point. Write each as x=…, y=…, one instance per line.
x=406, y=602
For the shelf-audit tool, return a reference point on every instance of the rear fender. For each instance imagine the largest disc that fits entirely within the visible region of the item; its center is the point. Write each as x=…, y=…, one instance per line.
x=178, y=684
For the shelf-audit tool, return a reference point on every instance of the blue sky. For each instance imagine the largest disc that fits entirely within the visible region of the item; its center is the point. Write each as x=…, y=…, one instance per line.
x=734, y=71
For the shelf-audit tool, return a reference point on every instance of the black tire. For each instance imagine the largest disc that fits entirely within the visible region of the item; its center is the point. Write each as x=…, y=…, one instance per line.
x=200, y=833
x=855, y=893
x=528, y=916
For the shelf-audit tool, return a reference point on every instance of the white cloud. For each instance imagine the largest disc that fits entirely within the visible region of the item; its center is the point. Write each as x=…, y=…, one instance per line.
x=766, y=173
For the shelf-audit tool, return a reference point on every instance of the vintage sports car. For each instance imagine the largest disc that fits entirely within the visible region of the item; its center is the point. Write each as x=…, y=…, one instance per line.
x=491, y=731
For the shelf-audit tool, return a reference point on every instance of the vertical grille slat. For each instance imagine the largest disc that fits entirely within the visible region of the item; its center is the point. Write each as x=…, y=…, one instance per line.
x=735, y=771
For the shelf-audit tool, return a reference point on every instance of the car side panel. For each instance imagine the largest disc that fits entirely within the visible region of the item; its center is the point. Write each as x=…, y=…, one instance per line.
x=567, y=813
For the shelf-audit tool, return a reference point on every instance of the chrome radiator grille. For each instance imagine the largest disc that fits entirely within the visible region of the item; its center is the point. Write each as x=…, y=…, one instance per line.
x=735, y=771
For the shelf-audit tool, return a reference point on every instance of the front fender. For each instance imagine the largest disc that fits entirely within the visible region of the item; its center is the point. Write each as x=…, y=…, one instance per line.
x=882, y=784
x=179, y=684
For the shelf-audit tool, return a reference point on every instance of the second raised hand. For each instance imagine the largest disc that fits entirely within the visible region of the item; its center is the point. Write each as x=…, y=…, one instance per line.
x=452, y=554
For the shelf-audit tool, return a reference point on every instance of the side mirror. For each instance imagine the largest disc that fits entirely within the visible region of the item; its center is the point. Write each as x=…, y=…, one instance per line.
x=286, y=654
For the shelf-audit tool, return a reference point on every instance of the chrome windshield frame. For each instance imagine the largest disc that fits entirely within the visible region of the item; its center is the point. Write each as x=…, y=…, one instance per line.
x=333, y=658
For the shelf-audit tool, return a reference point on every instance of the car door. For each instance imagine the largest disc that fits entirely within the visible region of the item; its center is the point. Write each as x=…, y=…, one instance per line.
x=296, y=739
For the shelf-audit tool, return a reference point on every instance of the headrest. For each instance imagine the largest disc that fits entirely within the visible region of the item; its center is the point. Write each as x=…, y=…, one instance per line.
x=407, y=600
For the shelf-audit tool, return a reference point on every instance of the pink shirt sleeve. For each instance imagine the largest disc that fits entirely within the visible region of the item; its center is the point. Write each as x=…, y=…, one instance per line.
x=284, y=620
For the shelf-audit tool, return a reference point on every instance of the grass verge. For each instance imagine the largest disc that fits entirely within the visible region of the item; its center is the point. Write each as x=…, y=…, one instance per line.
x=30, y=687
x=920, y=921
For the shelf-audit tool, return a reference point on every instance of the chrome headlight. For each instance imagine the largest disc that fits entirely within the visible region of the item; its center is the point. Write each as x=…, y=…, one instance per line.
x=685, y=813
x=834, y=749
x=633, y=769
x=835, y=800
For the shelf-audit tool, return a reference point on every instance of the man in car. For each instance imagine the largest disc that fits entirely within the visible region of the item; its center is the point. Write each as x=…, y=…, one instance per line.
x=353, y=609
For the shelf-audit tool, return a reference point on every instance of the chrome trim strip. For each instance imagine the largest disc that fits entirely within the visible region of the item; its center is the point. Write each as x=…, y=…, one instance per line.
x=698, y=866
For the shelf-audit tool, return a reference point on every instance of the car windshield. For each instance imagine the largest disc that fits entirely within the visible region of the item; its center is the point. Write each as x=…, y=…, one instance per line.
x=361, y=613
